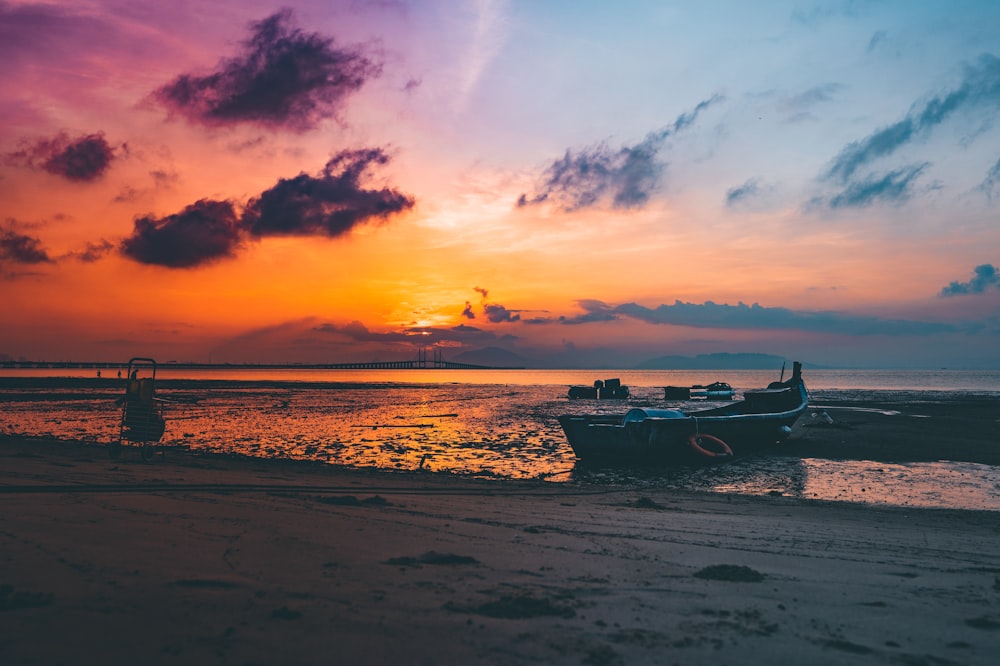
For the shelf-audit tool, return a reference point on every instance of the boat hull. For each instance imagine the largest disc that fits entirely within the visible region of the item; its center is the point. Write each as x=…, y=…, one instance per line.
x=761, y=420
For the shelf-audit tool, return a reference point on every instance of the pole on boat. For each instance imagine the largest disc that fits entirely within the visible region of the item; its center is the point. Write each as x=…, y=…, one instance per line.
x=782, y=378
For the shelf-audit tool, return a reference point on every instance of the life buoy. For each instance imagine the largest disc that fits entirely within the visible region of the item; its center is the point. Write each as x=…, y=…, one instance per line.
x=696, y=442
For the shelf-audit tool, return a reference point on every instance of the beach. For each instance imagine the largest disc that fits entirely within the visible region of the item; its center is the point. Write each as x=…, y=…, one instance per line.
x=213, y=558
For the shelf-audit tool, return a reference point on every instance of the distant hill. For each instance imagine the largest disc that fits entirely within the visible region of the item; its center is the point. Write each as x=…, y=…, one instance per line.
x=491, y=356
x=720, y=361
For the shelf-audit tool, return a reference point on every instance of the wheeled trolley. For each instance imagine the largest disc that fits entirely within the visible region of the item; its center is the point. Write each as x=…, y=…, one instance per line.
x=142, y=420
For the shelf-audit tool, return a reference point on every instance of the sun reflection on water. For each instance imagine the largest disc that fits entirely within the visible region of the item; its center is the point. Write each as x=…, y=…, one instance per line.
x=489, y=430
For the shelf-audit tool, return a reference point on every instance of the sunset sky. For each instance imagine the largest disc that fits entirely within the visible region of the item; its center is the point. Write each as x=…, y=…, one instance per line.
x=584, y=184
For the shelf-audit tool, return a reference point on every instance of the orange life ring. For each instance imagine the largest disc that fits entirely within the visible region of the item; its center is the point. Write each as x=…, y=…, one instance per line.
x=695, y=442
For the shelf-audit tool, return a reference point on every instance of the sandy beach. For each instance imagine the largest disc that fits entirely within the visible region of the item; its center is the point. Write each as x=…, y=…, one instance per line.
x=200, y=558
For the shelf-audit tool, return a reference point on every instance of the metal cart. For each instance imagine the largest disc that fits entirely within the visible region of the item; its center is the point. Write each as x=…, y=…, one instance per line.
x=142, y=419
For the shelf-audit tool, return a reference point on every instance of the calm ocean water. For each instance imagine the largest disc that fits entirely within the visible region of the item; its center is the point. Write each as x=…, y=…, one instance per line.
x=987, y=381
x=495, y=423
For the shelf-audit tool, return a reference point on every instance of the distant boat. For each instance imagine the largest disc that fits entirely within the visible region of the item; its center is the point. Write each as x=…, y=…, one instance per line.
x=763, y=418
x=713, y=391
x=609, y=389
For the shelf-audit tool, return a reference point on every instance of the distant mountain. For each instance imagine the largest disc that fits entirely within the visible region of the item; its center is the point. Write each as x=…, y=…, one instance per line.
x=720, y=361
x=492, y=356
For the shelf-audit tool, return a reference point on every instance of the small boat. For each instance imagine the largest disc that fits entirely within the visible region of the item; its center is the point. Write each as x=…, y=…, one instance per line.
x=713, y=391
x=764, y=417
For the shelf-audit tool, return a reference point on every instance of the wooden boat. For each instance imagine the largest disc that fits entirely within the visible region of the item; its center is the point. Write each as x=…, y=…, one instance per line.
x=763, y=418
x=713, y=391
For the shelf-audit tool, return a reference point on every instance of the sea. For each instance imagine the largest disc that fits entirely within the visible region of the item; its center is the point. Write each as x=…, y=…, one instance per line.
x=494, y=424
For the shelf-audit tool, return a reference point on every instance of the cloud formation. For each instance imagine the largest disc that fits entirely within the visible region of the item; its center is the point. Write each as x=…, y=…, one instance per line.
x=752, y=317
x=494, y=312
x=893, y=187
x=85, y=158
x=980, y=88
x=798, y=108
x=357, y=332
x=626, y=176
x=283, y=78
x=330, y=204
x=737, y=195
x=20, y=248
x=204, y=232
x=93, y=251
x=742, y=316
x=992, y=180
x=497, y=313
x=984, y=277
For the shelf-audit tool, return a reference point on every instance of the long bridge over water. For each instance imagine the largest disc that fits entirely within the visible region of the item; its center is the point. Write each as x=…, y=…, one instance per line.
x=437, y=362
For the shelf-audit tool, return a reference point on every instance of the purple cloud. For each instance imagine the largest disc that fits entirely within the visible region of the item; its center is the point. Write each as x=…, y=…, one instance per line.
x=20, y=248
x=203, y=232
x=283, y=78
x=85, y=158
x=330, y=204
x=497, y=313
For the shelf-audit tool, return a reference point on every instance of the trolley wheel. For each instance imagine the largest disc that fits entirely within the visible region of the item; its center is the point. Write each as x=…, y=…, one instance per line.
x=148, y=451
x=115, y=450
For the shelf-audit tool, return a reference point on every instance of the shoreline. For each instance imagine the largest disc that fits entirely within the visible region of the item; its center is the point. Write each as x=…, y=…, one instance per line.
x=216, y=559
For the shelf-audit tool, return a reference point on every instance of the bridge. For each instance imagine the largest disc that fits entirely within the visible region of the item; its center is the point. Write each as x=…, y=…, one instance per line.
x=436, y=362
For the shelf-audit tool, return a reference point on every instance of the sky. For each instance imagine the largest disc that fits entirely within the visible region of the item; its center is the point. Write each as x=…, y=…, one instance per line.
x=582, y=184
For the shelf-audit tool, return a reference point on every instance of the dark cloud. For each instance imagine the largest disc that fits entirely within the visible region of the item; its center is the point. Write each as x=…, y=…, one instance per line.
x=284, y=78
x=893, y=187
x=593, y=311
x=750, y=317
x=984, y=277
x=737, y=195
x=980, y=88
x=497, y=313
x=742, y=316
x=494, y=312
x=20, y=248
x=330, y=204
x=203, y=232
x=757, y=317
x=626, y=176
x=85, y=158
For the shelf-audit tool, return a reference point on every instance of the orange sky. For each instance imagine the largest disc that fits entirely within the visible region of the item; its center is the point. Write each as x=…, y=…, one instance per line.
x=576, y=186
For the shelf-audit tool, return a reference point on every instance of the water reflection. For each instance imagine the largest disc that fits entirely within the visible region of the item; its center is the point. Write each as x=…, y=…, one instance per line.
x=488, y=430
x=937, y=484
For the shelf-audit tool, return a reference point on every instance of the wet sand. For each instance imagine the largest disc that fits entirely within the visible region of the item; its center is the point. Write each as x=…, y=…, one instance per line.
x=199, y=558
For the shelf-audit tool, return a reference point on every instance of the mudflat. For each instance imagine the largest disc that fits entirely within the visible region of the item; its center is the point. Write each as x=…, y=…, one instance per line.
x=210, y=559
